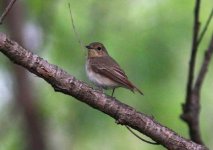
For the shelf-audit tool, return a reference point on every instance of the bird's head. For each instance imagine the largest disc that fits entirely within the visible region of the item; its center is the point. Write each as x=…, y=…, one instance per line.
x=96, y=49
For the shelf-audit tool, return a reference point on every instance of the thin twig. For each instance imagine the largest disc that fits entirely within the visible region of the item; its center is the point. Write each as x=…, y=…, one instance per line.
x=204, y=67
x=74, y=29
x=7, y=9
x=191, y=108
x=194, y=50
x=205, y=27
x=153, y=143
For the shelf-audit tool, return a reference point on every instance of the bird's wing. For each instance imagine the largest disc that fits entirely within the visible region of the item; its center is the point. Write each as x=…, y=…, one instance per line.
x=112, y=71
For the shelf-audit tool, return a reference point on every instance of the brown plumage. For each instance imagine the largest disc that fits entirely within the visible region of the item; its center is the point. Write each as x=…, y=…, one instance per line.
x=104, y=71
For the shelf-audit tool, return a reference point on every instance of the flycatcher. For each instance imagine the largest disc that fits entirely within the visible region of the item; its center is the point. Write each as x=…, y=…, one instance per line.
x=104, y=71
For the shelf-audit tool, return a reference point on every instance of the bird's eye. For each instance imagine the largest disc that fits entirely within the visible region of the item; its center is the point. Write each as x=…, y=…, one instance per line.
x=98, y=48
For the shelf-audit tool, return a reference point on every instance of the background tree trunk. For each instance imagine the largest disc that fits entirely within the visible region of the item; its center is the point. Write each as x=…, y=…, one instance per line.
x=23, y=89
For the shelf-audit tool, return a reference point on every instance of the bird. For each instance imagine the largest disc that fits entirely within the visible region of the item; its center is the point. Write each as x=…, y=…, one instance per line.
x=104, y=71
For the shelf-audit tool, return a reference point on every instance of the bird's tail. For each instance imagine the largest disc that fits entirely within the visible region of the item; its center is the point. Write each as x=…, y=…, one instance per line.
x=139, y=91
x=132, y=87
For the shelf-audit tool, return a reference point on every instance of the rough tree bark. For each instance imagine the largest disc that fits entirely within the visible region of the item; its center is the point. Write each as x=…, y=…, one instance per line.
x=61, y=81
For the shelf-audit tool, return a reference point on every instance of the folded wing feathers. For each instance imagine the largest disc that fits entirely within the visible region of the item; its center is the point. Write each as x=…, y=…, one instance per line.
x=114, y=72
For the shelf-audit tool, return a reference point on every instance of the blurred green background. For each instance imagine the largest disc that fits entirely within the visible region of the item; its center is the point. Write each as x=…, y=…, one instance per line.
x=150, y=39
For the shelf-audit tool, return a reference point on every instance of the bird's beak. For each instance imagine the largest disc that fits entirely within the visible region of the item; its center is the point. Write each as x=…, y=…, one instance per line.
x=88, y=47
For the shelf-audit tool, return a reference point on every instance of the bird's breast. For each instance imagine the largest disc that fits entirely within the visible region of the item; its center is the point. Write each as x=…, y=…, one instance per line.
x=98, y=79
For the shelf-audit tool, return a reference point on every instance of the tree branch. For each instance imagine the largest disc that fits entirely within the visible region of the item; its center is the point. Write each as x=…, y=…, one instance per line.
x=7, y=9
x=192, y=114
x=204, y=67
x=61, y=81
x=191, y=108
x=205, y=27
x=193, y=52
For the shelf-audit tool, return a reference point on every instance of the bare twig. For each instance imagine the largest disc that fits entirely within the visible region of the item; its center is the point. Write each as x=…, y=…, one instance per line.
x=191, y=108
x=194, y=108
x=74, y=29
x=193, y=52
x=67, y=84
x=7, y=9
x=205, y=27
x=204, y=67
x=153, y=143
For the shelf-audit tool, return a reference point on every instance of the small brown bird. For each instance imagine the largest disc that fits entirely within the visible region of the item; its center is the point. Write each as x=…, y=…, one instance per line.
x=104, y=71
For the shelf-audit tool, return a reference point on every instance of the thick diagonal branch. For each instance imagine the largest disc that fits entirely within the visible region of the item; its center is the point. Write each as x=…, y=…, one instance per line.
x=61, y=81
